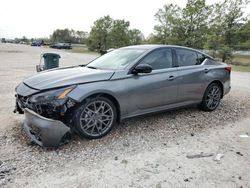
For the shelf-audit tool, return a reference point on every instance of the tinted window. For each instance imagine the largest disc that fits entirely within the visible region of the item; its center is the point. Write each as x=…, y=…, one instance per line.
x=201, y=57
x=186, y=57
x=159, y=59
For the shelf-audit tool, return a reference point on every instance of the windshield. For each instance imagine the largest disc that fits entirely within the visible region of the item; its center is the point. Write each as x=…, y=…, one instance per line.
x=117, y=59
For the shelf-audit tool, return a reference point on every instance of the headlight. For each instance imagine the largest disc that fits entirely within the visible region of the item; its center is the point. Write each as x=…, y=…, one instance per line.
x=58, y=94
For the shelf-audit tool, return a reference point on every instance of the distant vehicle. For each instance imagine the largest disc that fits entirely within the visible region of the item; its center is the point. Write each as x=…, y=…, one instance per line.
x=121, y=84
x=22, y=42
x=61, y=46
x=35, y=43
x=3, y=40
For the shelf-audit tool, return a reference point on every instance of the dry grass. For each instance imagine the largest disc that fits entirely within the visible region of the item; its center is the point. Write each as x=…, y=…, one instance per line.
x=241, y=60
x=241, y=68
x=81, y=49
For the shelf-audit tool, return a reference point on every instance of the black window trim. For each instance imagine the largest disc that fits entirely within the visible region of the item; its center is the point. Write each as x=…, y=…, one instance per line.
x=141, y=59
x=195, y=51
x=206, y=57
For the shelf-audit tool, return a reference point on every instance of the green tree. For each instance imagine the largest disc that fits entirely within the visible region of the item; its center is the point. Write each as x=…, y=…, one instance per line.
x=66, y=35
x=81, y=37
x=109, y=33
x=98, y=37
x=151, y=39
x=215, y=31
x=232, y=17
x=225, y=53
x=185, y=26
x=199, y=25
x=168, y=18
x=226, y=31
x=135, y=37
x=119, y=34
x=194, y=21
x=243, y=36
x=61, y=35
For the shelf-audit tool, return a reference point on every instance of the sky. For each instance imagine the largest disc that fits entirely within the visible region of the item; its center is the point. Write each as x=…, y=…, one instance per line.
x=39, y=18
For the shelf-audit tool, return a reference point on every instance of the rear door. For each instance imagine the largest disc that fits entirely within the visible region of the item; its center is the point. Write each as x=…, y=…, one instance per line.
x=192, y=74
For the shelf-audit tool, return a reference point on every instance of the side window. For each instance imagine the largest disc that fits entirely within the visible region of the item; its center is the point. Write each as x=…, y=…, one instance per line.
x=201, y=58
x=186, y=57
x=159, y=59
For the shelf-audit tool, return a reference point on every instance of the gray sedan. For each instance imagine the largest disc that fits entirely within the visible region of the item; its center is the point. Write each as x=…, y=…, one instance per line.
x=127, y=82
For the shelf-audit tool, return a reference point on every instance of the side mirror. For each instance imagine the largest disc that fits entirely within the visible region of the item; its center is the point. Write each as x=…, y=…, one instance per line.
x=39, y=68
x=142, y=68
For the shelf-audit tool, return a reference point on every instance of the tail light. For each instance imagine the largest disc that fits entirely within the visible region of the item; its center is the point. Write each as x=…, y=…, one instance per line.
x=229, y=69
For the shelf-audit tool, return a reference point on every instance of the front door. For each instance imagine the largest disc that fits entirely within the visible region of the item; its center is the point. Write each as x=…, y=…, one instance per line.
x=158, y=88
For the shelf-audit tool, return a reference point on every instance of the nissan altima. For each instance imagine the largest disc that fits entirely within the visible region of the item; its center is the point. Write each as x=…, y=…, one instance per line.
x=130, y=81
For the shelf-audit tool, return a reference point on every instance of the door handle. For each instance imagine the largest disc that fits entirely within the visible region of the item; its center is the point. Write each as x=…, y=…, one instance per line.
x=206, y=70
x=170, y=78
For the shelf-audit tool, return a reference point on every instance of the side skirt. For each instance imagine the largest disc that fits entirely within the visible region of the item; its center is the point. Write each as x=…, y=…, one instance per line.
x=162, y=109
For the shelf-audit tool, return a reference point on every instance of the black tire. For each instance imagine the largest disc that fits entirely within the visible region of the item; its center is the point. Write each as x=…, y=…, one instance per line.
x=85, y=117
x=211, y=100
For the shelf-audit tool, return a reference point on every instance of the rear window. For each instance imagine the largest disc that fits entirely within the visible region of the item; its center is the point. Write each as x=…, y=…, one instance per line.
x=186, y=57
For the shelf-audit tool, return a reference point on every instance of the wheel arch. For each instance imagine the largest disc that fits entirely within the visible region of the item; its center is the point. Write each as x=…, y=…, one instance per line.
x=111, y=98
x=220, y=84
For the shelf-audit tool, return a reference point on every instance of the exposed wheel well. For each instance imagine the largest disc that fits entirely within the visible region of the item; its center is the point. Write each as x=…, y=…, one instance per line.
x=221, y=86
x=113, y=99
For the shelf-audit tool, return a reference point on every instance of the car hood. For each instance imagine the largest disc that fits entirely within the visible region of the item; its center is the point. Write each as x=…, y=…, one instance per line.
x=67, y=76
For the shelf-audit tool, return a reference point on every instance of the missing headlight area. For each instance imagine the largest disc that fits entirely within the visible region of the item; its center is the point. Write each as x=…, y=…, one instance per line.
x=54, y=109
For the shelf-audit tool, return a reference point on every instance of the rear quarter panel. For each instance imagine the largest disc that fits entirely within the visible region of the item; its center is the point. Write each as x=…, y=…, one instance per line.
x=193, y=80
x=217, y=72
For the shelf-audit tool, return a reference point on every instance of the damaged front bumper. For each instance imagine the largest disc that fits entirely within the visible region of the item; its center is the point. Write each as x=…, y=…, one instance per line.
x=44, y=131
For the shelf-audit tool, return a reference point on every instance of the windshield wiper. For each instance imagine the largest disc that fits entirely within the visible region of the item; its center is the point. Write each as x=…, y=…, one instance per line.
x=91, y=67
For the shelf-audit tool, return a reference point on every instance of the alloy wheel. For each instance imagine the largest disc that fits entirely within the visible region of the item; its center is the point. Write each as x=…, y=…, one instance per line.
x=213, y=97
x=96, y=118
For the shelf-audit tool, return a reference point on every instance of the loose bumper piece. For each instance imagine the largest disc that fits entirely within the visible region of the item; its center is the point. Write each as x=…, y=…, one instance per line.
x=43, y=131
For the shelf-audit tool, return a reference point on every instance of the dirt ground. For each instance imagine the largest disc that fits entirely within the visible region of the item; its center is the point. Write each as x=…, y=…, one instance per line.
x=181, y=148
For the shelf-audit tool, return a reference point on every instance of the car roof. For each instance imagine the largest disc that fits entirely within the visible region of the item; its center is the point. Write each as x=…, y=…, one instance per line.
x=155, y=46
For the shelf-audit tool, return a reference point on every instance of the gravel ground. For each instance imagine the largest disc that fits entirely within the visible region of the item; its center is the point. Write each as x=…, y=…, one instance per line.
x=149, y=151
